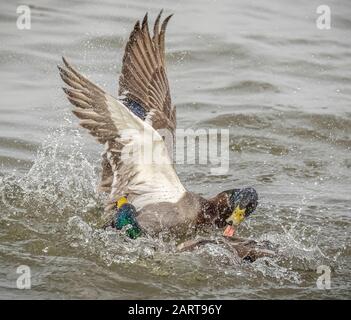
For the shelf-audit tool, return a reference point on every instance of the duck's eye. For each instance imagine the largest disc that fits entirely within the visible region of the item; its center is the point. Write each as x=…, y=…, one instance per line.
x=250, y=208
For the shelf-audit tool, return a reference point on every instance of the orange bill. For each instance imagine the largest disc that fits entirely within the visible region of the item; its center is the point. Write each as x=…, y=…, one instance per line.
x=229, y=231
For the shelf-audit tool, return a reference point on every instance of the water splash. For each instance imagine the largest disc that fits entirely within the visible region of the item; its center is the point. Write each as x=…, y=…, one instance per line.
x=61, y=187
x=61, y=181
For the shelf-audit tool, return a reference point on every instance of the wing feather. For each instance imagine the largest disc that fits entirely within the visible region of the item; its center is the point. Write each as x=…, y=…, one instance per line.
x=143, y=78
x=136, y=161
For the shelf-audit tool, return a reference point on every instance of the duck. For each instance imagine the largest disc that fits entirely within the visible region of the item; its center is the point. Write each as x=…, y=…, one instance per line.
x=144, y=192
x=126, y=218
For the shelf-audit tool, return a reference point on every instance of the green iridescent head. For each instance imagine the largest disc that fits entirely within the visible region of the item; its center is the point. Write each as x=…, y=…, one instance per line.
x=125, y=218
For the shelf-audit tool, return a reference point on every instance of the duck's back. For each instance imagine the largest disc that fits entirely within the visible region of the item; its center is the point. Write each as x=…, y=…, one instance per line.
x=171, y=216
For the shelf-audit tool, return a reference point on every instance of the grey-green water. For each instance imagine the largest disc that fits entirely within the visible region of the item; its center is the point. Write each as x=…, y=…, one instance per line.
x=262, y=69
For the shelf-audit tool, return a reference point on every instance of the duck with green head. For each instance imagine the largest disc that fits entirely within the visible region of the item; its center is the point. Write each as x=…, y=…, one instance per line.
x=125, y=217
x=137, y=157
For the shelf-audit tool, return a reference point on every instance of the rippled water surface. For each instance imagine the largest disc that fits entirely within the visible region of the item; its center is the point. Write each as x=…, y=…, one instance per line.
x=262, y=69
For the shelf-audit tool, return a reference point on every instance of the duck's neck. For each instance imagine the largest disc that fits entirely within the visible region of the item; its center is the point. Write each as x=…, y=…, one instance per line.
x=215, y=210
x=134, y=232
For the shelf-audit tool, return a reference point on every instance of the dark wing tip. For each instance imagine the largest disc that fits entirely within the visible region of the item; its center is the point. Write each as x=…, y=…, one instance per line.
x=136, y=26
x=165, y=22
x=62, y=71
x=67, y=91
x=68, y=66
x=65, y=61
x=144, y=20
x=157, y=22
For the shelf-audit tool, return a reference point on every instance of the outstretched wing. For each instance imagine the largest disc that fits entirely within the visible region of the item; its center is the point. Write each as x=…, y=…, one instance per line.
x=143, y=83
x=136, y=153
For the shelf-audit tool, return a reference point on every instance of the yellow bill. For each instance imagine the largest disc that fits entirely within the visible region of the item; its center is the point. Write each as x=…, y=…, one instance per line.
x=237, y=216
x=121, y=201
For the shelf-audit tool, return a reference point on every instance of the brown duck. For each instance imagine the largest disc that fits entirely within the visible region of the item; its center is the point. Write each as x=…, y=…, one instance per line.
x=136, y=162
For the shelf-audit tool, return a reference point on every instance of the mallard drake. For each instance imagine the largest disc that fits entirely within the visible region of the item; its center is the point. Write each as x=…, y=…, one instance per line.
x=132, y=122
x=126, y=218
